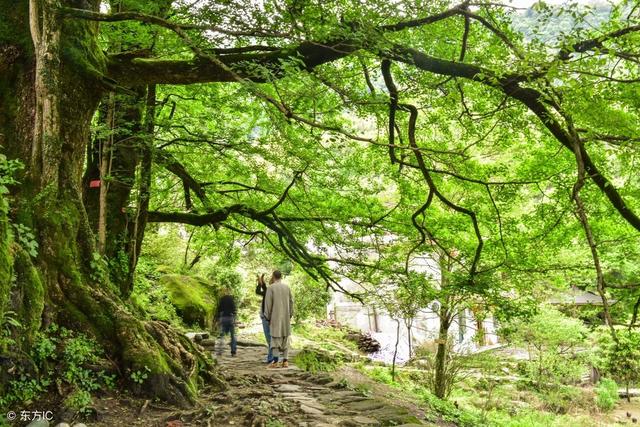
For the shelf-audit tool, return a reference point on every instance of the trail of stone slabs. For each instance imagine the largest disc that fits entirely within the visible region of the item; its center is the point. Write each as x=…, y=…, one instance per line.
x=258, y=396
x=261, y=397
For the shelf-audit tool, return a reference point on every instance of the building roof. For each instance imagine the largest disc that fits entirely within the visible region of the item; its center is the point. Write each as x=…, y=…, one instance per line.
x=577, y=296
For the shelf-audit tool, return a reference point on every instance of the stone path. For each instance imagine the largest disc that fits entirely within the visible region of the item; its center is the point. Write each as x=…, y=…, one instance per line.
x=291, y=397
x=261, y=397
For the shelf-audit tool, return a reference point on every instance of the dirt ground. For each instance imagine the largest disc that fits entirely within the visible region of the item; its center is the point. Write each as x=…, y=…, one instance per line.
x=258, y=396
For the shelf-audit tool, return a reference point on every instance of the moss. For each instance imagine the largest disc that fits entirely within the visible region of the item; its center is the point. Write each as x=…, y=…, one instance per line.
x=14, y=24
x=6, y=260
x=195, y=299
x=31, y=291
x=80, y=47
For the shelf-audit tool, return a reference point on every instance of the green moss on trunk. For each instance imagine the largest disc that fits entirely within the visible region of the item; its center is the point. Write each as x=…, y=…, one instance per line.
x=64, y=274
x=172, y=365
x=30, y=295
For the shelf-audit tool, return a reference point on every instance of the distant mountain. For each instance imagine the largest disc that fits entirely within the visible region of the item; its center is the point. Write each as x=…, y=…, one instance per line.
x=548, y=22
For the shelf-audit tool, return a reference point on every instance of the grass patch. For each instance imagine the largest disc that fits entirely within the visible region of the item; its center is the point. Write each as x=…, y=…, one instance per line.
x=318, y=360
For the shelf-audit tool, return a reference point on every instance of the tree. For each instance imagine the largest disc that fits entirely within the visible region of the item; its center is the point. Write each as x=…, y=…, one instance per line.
x=553, y=342
x=621, y=358
x=56, y=76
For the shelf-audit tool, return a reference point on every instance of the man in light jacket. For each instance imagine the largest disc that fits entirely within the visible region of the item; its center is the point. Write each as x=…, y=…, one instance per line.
x=278, y=310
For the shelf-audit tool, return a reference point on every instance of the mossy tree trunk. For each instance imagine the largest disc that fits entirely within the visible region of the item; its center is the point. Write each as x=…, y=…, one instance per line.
x=51, y=86
x=119, y=157
x=118, y=152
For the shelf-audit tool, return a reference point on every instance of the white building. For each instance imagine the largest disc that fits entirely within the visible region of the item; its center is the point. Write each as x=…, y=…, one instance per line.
x=425, y=326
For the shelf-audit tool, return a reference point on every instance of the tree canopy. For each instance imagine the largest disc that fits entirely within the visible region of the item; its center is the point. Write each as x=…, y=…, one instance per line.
x=349, y=136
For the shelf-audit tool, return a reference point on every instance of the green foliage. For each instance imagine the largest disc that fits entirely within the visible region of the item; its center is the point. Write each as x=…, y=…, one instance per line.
x=565, y=399
x=59, y=356
x=8, y=170
x=555, y=344
x=310, y=297
x=99, y=268
x=27, y=239
x=272, y=422
x=140, y=376
x=451, y=375
x=620, y=360
x=317, y=360
x=533, y=418
x=448, y=410
x=150, y=296
x=485, y=137
x=381, y=374
x=607, y=394
x=331, y=339
x=194, y=298
x=438, y=409
x=8, y=321
x=79, y=400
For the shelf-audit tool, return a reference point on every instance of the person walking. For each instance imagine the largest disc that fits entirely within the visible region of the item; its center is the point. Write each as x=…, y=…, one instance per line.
x=278, y=310
x=226, y=315
x=261, y=289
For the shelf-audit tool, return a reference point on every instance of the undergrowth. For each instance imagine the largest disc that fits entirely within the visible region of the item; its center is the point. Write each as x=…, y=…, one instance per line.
x=68, y=360
x=317, y=360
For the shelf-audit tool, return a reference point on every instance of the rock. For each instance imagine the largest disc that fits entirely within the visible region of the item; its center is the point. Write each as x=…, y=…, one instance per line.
x=360, y=421
x=365, y=421
x=62, y=425
x=80, y=425
x=288, y=387
x=322, y=379
x=351, y=399
x=364, y=405
x=38, y=423
x=309, y=410
x=337, y=385
x=195, y=299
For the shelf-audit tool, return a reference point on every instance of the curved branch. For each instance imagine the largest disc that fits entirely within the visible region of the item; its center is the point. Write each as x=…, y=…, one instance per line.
x=413, y=116
x=282, y=198
x=532, y=99
x=174, y=166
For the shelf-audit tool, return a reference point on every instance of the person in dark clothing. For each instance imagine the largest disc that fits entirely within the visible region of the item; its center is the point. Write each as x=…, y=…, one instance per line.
x=261, y=289
x=226, y=315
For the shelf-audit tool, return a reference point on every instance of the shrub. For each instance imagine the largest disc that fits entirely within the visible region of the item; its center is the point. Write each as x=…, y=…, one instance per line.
x=381, y=374
x=315, y=360
x=606, y=394
x=65, y=358
x=553, y=341
x=620, y=359
x=79, y=401
x=311, y=297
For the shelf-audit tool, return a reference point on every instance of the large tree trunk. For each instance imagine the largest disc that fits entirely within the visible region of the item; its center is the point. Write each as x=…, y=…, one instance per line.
x=50, y=74
x=112, y=160
x=115, y=156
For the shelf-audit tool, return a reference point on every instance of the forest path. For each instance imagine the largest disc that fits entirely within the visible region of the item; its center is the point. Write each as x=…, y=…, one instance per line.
x=258, y=396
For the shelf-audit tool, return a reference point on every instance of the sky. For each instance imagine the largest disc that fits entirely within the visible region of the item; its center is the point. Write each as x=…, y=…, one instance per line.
x=527, y=3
